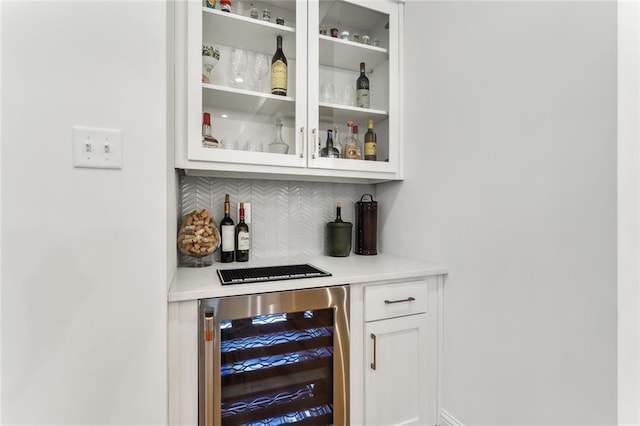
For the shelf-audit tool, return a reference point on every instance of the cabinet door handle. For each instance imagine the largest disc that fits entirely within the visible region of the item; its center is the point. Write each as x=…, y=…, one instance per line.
x=408, y=299
x=315, y=140
x=209, y=335
x=303, y=148
x=373, y=340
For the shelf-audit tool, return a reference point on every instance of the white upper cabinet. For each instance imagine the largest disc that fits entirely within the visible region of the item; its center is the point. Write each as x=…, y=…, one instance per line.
x=234, y=88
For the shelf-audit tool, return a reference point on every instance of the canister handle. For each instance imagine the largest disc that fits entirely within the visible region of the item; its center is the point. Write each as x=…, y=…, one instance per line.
x=370, y=196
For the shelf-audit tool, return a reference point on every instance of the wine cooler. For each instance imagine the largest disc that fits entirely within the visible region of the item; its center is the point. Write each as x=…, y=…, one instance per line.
x=275, y=358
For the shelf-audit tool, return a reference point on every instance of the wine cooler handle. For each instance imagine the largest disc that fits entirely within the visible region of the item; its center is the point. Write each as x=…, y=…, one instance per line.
x=303, y=150
x=314, y=131
x=208, y=368
x=408, y=299
x=373, y=363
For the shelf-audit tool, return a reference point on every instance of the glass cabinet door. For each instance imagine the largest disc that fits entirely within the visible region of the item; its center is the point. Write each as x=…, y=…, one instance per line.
x=229, y=82
x=342, y=35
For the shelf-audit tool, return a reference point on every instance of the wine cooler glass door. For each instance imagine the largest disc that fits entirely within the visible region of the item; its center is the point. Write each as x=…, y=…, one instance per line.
x=274, y=359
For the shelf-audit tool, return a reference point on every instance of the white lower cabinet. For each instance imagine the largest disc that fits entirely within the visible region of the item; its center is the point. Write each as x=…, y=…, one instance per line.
x=396, y=379
x=395, y=349
x=400, y=342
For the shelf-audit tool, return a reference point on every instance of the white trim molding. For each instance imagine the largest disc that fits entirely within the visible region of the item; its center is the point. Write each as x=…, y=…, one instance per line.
x=628, y=213
x=446, y=419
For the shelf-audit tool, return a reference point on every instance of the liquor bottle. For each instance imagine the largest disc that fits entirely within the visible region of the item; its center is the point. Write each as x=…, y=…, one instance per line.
x=329, y=150
x=208, y=141
x=243, y=239
x=370, y=148
x=337, y=140
x=350, y=144
x=362, y=89
x=279, y=71
x=358, y=143
x=227, y=236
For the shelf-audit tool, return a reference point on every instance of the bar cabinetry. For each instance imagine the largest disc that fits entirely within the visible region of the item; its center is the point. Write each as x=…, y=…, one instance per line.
x=322, y=74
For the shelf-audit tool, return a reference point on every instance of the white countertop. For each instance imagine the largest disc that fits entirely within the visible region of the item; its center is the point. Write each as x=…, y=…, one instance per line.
x=201, y=283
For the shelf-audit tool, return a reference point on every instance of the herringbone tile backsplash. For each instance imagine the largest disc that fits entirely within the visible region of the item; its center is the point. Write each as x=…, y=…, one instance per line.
x=287, y=219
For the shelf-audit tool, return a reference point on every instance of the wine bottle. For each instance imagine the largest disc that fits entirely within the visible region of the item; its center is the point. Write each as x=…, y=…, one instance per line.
x=329, y=150
x=279, y=71
x=370, y=148
x=362, y=89
x=243, y=239
x=227, y=234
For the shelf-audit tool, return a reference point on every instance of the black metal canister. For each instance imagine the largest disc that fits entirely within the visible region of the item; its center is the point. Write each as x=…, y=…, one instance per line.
x=366, y=226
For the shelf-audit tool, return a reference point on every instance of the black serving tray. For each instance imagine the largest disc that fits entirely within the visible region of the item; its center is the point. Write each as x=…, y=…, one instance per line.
x=270, y=273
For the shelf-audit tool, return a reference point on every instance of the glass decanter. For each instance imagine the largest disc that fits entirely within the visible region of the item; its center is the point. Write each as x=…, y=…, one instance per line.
x=278, y=146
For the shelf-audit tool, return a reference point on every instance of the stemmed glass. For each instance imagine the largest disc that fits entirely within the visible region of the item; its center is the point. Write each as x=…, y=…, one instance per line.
x=260, y=69
x=328, y=92
x=238, y=65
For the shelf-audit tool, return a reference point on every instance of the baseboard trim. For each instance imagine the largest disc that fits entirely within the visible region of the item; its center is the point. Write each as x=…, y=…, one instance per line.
x=447, y=419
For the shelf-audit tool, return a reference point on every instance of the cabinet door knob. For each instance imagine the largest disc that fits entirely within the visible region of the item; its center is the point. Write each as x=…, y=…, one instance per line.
x=408, y=299
x=303, y=148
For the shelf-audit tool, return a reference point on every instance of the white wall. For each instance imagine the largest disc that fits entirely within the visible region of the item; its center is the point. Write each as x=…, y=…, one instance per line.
x=628, y=213
x=510, y=142
x=0, y=216
x=84, y=252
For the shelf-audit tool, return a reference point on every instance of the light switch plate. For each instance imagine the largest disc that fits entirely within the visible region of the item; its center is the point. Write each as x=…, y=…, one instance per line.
x=97, y=148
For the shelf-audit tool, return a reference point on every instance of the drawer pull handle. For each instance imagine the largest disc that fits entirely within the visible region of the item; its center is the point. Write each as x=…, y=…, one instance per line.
x=373, y=364
x=408, y=299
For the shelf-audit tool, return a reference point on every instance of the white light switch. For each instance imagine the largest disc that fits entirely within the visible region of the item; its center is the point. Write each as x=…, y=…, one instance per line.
x=97, y=148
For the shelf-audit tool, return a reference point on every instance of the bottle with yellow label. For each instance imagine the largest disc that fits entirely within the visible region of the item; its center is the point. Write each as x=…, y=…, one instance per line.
x=370, y=149
x=279, y=71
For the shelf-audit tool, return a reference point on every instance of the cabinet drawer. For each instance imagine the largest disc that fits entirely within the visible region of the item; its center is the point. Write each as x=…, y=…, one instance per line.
x=395, y=300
